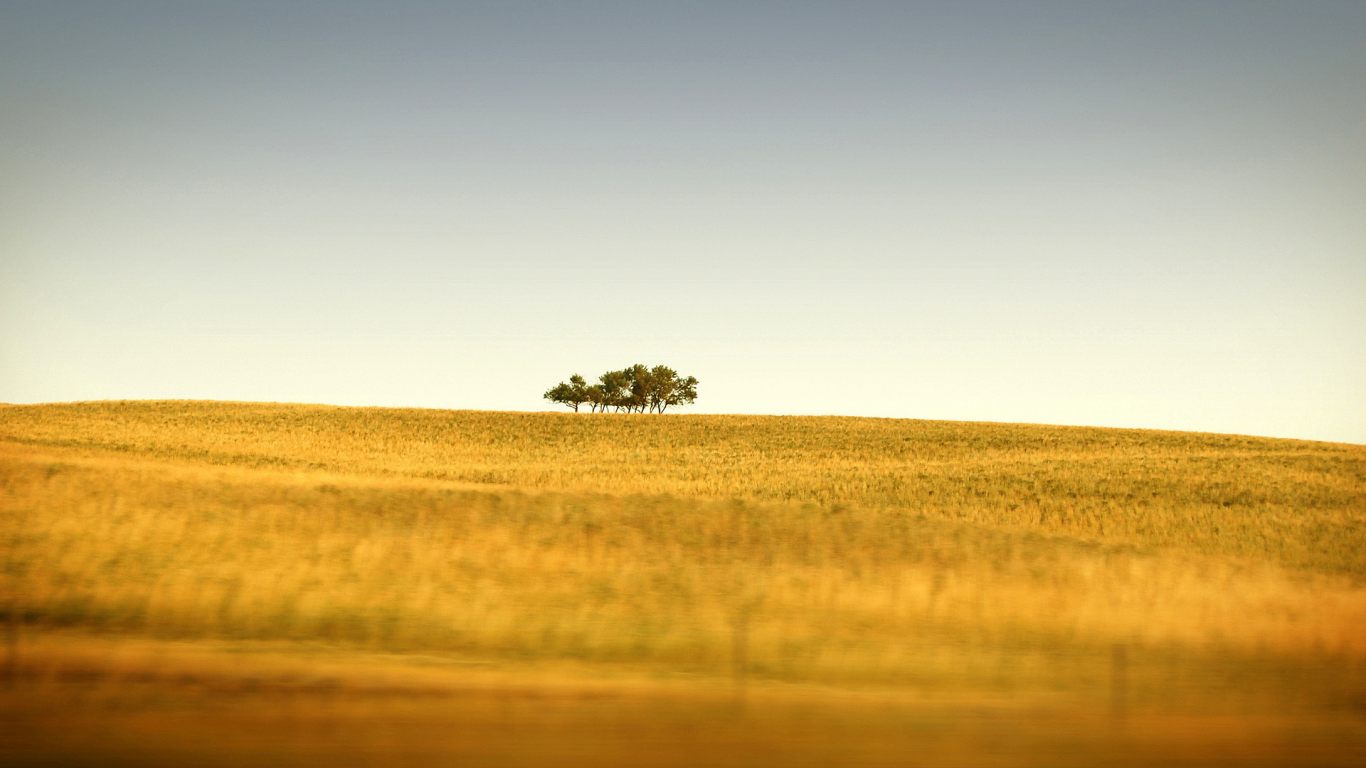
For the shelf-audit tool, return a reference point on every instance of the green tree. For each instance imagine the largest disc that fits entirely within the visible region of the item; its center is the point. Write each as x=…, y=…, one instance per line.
x=616, y=389
x=573, y=394
x=668, y=389
x=640, y=388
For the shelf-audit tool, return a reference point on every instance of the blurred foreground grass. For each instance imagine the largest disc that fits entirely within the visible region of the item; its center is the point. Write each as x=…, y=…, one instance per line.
x=287, y=581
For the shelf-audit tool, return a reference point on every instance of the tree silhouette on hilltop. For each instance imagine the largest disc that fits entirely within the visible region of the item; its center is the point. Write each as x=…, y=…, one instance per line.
x=636, y=389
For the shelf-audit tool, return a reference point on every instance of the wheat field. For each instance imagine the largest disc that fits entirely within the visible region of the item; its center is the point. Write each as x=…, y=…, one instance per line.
x=306, y=585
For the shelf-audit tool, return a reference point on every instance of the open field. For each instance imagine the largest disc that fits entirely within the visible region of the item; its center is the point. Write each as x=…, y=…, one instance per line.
x=313, y=585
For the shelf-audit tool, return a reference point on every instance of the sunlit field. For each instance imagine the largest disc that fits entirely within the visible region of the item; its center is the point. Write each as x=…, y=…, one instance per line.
x=234, y=583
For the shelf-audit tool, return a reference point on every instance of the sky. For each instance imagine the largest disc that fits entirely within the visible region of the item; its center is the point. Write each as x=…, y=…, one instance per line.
x=1114, y=214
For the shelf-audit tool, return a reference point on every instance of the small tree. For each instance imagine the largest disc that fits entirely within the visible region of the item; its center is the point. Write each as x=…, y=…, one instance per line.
x=573, y=394
x=671, y=390
x=640, y=386
x=616, y=389
x=597, y=398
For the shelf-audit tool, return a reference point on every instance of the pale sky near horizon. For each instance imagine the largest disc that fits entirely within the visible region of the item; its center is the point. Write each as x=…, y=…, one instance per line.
x=1115, y=214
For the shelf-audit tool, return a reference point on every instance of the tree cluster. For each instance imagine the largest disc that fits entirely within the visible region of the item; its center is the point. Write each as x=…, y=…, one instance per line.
x=635, y=390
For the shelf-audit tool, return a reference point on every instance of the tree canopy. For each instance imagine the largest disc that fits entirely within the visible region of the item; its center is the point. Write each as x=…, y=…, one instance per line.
x=636, y=389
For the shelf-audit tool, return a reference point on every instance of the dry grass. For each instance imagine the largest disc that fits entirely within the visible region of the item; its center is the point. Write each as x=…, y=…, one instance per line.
x=1291, y=502
x=1074, y=573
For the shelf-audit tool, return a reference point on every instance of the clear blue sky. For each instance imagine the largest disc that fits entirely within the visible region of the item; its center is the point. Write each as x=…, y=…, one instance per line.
x=1140, y=214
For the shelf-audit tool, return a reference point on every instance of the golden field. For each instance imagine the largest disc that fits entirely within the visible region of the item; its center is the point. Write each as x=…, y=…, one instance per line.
x=240, y=582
